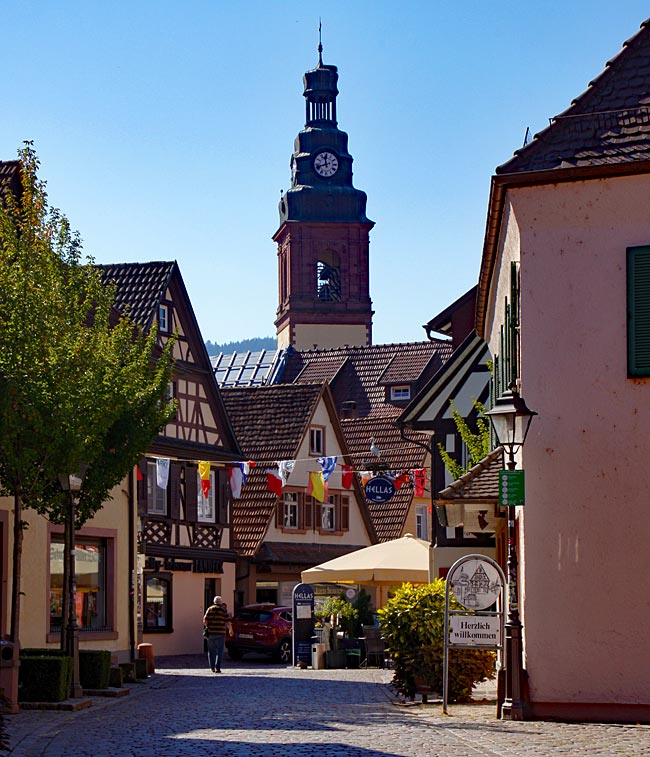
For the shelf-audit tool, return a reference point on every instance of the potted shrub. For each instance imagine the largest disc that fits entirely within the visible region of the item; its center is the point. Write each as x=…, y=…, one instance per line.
x=412, y=624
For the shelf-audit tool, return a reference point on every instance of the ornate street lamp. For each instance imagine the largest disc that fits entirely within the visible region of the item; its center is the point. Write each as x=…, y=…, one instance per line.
x=511, y=418
x=72, y=485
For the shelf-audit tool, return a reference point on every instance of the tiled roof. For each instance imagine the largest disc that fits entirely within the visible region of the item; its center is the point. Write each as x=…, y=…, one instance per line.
x=10, y=176
x=360, y=375
x=609, y=123
x=479, y=484
x=244, y=368
x=303, y=554
x=397, y=455
x=140, y=286
x=269, y=423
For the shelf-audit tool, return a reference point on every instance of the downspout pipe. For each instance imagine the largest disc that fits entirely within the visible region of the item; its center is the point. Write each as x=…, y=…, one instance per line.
x=132, y=548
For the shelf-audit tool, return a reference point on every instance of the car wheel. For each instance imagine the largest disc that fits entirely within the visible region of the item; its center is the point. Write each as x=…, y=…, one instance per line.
x=283, y=652
x=235, y=654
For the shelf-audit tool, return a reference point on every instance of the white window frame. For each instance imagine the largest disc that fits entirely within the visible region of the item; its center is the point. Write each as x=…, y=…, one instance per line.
x=163, y=318
x=156, y=497
x=206, y=506
x=316, y=440
x=291, y=510
x=398, y=393
x=422, y=522
x=328, y=514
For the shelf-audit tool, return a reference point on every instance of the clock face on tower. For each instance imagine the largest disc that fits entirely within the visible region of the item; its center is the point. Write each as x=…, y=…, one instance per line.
x=326, y=164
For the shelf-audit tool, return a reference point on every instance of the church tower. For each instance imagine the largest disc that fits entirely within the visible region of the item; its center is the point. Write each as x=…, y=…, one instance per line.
x=323, y=238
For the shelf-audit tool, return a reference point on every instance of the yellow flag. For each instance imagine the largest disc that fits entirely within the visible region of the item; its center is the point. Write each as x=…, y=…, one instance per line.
x=316, y=485
x=204, y=472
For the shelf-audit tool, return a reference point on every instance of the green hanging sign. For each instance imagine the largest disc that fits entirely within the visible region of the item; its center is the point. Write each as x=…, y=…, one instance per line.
x=511, y=488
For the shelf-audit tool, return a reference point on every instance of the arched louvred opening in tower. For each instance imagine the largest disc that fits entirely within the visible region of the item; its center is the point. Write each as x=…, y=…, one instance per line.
x=328, y=277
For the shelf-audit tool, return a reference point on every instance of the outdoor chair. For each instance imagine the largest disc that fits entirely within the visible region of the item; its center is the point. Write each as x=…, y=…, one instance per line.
x=374, y=648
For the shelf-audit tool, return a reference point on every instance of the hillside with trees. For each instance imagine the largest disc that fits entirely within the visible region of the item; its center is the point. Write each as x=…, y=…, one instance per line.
x=245, y=345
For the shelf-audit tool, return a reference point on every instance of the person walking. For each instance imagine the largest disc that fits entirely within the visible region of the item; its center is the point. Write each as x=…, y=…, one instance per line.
x=215, y=620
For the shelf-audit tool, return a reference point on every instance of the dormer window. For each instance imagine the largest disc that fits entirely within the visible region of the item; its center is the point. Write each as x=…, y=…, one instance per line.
x=400, y=393
x=163, y=318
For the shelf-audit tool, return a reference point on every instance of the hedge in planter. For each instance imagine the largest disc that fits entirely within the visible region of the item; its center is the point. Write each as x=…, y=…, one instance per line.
x=94, y=668
x=412, y=624
x=44, y=679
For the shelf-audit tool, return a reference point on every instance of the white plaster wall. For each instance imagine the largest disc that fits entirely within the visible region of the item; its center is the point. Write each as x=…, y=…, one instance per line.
x=188, y=611
x=585, y=604
x=299, y=478
x=34, y=610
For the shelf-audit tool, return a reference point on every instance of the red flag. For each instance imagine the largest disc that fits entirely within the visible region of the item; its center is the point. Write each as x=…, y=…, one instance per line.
x=273, y=482
x=419, y=481
x=138, y=473
x=348, y=476
x=400, y=480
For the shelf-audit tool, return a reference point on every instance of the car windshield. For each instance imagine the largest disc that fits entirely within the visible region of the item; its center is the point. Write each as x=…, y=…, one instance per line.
x=254, y=616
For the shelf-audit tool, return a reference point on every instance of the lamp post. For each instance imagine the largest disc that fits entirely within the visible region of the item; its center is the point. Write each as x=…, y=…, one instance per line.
x=72, y=485
x=511, y=418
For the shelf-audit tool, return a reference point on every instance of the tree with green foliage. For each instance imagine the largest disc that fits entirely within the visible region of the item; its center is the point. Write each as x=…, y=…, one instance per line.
x=477, y=441
x=79, y=382
x=412, y=624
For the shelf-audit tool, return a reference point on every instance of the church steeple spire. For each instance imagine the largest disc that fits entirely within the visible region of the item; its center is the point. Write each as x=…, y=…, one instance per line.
x=323, y=256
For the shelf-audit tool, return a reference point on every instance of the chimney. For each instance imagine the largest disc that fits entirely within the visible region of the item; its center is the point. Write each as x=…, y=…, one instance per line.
x=349, y=409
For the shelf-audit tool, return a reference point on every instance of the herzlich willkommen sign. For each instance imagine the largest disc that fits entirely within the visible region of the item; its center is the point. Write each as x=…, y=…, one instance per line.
x=478, y=630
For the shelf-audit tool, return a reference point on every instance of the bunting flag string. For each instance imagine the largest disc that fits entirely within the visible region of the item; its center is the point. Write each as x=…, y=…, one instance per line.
x=277, y=477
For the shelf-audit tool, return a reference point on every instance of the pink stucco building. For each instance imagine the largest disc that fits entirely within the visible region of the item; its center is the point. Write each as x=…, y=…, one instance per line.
x=564, y=305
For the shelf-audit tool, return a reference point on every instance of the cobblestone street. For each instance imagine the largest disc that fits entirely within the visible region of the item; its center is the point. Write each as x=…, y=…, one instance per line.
x=256, y=708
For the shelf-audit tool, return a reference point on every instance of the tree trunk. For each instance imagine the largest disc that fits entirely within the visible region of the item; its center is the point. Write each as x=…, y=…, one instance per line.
x=14, y=631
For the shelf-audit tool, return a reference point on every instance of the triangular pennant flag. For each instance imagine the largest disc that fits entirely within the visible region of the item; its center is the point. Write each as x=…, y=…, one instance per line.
x=316, y=485
x=204, y=472
x=162, y=472
x=348, y=476
x=328, y=464
x=138, y=473
x=274, y=482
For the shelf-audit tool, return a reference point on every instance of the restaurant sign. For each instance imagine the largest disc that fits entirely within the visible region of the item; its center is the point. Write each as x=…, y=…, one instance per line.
x=380, y=489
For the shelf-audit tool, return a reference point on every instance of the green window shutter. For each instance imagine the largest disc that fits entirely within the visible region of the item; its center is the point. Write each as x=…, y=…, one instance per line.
x=638, y=311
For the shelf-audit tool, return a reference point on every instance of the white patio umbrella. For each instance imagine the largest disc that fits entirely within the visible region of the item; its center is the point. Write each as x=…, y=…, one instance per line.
x=387, y=564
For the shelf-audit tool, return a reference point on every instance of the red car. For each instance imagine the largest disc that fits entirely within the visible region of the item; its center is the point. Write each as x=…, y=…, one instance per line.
x=261, y=628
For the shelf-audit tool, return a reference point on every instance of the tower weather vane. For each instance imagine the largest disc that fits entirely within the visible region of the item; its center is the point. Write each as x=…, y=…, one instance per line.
x=320, y=43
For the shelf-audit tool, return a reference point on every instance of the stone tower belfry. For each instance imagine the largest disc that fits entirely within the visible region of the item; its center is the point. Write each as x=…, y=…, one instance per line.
x=323, y=237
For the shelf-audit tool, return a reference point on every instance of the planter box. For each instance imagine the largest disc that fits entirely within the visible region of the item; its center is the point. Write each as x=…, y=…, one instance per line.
x=335, y=658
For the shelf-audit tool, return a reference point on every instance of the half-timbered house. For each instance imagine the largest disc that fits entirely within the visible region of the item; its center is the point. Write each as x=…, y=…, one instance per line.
x=185, y=552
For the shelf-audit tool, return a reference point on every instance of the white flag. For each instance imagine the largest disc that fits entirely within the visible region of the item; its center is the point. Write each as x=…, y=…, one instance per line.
x=162, y=472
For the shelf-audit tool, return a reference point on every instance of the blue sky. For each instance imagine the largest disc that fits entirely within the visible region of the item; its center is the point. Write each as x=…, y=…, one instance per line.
x=165, y=129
